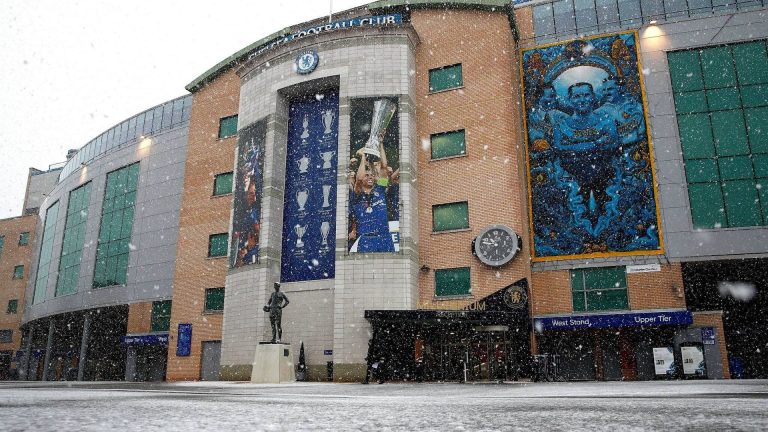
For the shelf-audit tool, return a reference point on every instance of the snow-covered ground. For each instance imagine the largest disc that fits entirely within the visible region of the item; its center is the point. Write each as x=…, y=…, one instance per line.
x=616, y=406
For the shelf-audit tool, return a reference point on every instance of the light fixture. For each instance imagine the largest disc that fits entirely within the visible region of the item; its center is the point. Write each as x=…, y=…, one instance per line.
x=652, y=22
x=425, y=268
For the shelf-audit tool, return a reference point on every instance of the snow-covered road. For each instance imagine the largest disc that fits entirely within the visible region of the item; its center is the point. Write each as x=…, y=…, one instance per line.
x=616, y=406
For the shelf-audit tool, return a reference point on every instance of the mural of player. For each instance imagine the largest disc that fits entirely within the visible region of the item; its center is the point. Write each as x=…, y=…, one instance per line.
x=246, y=221
x=373, y=216
x=591, y=183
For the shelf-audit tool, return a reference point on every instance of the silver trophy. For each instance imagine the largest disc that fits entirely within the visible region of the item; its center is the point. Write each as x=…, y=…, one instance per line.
x=327, y=156
x=299, y=230
x=326, y=194
x=303, y=164
x=383, y=111
x=328, y=116
x=325, y=227
x=305, y=125
x=301, y=198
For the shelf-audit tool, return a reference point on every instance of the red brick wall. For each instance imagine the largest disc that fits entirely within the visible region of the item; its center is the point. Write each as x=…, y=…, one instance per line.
x=11, y=256
x=551, y=290
x=139, y=318
x=489, y=176
x=202, y=215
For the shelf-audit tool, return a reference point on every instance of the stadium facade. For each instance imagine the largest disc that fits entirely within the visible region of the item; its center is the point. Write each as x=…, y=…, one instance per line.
x=453, y=187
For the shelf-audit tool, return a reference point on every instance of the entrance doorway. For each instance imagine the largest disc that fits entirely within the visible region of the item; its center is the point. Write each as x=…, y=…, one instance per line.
x=211, y=361
x=480, y=354
x=488, y=361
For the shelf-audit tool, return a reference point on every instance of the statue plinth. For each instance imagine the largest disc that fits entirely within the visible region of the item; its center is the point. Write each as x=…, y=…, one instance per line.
x=273, y=364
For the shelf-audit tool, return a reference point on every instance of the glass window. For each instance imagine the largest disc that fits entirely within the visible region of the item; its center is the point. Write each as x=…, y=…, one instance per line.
x=222, y=184
x=116, y=226
x=751, y=62
x=148, y=122
x=74, y=237
x=140, y=124
x=586, y=15
x=178, y=107
x=214, y=299
x=217, y=245
x=721, y=99
x=228, y=127
x=748, y=4
x=453, y=216
x=6, y=336
x=24, y=239
x=543, y=21
x=700, y=7
x=675, y=8
x=12, y=306
x=187, y=109
x=2, y=243
x=167, y=115
x=652, y=9
x=565, y=18
x=607, y=14
x=448, y=144
x=161, y=316
x=18, y=272
x=596, y=289
x=452, y=282
x=157, y=118
x=132, y=129
x=123, y=137
x=46, y=249
x=445, y=78
x=629, y=11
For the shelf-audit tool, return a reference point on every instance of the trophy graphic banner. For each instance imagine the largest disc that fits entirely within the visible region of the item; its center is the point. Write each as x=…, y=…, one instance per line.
x=374, y=176
x=309, y=210
x=246, y=217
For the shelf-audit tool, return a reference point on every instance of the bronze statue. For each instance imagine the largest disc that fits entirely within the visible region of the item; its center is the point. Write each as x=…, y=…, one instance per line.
x=277, y=301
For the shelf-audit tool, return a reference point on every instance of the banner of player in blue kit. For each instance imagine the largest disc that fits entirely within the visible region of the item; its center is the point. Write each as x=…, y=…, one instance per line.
x=374, y=189
x=246, y=221
x=591, y=178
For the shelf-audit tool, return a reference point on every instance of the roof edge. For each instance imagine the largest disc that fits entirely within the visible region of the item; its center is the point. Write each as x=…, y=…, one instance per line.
x=381, y=5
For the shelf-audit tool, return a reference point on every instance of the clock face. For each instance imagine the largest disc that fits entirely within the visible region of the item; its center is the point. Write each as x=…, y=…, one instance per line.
x=496, y=245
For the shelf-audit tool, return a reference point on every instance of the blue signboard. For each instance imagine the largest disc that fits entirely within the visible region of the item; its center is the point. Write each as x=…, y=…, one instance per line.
x=327, y=352
x=151, y=339
x=708, y=335
x=368, y=21
x=184, y=341
x=309, y=206
x=639, y=319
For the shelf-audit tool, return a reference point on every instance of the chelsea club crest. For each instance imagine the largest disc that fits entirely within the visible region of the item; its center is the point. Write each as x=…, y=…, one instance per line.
x=306, y=62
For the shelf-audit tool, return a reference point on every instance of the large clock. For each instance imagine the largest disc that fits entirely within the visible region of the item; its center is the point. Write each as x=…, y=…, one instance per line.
x=496, y=245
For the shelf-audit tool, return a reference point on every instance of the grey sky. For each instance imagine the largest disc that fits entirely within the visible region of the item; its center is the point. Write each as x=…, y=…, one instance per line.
x=71, y=69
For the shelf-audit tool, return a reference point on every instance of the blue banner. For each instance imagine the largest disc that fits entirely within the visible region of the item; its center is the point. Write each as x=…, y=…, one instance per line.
x=184, y=340
x=246, y=217
x=591, y=173
x=309, y=206
x=152, y=339
x=640, y=319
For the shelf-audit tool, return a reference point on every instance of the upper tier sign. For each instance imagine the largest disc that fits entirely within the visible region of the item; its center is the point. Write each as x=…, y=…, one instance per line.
x=370, y=21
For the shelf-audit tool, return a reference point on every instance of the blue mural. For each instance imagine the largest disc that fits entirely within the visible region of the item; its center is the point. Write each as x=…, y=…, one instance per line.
x=246, y=218
x=309, y=206
x=591, y=178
